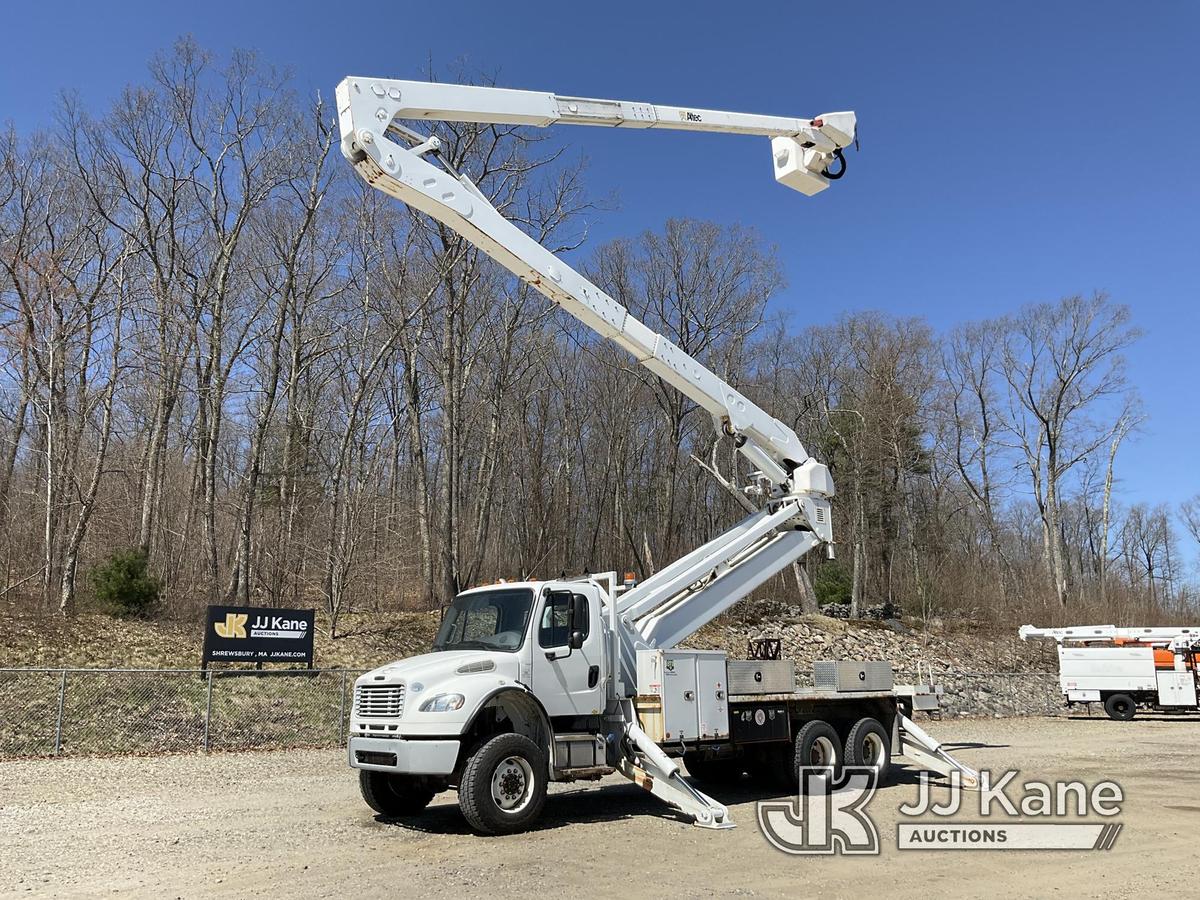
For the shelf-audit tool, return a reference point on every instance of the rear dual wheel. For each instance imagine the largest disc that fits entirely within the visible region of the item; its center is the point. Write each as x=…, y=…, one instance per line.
x=816, y=745
x=869, y=745
x=819, y=746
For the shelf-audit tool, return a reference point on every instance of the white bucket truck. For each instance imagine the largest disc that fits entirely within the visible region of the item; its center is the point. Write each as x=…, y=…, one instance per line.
x=561, y=680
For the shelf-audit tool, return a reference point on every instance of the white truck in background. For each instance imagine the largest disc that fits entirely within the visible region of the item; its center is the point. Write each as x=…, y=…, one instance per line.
x=1126, y=668
x=573, y=679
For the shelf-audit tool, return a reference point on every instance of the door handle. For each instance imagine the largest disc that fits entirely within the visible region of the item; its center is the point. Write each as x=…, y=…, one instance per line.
x=593, y=676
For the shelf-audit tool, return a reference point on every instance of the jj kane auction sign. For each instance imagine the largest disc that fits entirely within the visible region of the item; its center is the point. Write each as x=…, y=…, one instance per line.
x=253, y=634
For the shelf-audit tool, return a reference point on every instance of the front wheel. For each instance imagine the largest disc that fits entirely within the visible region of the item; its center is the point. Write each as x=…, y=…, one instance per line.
x=1120, y=707
x=392, y=794
x=503, y=785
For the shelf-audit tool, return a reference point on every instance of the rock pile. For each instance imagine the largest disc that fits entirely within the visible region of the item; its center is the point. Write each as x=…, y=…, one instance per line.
x=983, y=675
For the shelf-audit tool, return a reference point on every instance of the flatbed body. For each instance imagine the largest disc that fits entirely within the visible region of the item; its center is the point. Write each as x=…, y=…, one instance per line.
x=813, y=696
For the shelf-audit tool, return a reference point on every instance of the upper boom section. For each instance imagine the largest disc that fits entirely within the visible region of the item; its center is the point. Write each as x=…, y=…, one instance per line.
x=1161, y=635
x=802, y=149
x=392, y=158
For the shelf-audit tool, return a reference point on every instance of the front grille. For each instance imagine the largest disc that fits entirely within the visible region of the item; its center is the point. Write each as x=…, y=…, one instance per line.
x=379, y=701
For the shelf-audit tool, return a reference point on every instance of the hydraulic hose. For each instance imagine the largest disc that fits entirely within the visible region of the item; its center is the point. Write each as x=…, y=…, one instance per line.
x=840, y=157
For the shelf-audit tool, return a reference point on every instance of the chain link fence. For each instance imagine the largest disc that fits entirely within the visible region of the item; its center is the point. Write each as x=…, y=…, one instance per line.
x=83, y=712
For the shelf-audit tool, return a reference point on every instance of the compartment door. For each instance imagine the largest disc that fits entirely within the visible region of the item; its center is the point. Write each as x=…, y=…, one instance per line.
x=1176, y=688
x=713, y=697
x=680, y=717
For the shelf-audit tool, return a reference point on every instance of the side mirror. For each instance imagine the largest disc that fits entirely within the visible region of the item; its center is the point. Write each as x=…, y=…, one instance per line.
x=579, y=621
x=575, y=607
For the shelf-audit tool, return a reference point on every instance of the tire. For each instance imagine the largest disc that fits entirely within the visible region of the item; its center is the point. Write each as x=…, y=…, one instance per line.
x=816, y=744
x=868, y=744
x=1120, y=707
x=503, y=786
x=394, y=795
x=712, y=771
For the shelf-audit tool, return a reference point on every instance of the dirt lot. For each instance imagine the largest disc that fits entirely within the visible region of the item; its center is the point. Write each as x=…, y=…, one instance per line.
x=292, y=824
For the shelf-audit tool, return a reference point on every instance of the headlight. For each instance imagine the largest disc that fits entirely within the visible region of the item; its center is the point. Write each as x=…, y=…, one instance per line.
x=443, y=703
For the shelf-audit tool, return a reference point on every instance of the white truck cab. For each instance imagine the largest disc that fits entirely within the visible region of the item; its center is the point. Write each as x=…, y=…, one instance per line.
x=525, y=658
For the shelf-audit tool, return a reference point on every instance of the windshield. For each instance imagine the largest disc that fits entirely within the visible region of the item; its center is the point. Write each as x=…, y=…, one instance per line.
x=489, y=620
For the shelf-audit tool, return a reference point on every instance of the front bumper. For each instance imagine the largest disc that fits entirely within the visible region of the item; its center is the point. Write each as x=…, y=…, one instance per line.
x=399, y=755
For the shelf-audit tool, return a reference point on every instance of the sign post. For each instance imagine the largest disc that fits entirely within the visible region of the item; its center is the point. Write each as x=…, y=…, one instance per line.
x=258, y=635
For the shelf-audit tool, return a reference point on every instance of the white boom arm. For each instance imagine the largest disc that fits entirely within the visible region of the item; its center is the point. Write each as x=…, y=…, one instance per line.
x=390, y=157
x=803, y=149
x=1161, y=636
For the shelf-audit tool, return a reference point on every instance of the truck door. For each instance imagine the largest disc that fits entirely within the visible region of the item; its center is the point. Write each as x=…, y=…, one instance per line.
x=569, y=681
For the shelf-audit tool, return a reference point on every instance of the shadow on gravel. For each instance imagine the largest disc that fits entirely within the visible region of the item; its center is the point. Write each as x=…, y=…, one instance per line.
x=610, y=803
x=616, y=802
x=1182, y=719
x=902, y=774
x=974, y=745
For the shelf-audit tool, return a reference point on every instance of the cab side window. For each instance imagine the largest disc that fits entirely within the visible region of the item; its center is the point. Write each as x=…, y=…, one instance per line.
x=554, y=629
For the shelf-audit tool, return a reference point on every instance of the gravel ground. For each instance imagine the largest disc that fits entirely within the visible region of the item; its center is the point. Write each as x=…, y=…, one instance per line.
x=292, y=824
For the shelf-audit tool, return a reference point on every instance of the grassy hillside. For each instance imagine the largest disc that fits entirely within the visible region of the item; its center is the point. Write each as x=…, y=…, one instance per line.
x=93, y=640
x=96, y=641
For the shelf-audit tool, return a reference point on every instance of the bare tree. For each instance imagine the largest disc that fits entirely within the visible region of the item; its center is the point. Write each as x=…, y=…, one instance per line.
x=220, y=347
x=1189, y=511
x=705, y=288
x=1061, y=363
x=1128, y=419
x=973, y=418
x=296, y=271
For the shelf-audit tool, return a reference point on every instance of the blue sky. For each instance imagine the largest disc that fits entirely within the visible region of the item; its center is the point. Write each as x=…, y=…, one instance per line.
x=1011, y=152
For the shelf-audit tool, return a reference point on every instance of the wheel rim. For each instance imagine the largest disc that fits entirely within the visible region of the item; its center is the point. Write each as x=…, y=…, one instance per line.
x=872, y=751
x=512, y=784
x=821, y=754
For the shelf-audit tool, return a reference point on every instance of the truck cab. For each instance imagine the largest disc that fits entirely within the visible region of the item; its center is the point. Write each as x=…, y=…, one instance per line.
x=521, y=668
